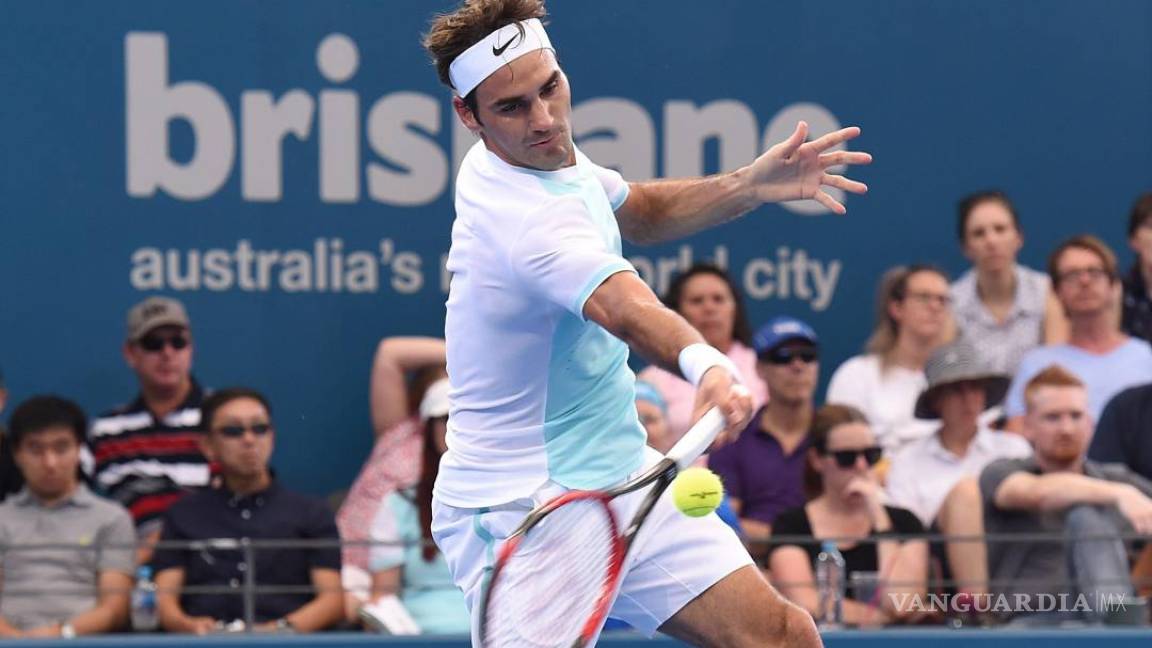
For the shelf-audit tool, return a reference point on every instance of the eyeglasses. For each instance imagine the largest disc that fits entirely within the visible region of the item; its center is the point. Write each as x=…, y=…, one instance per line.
x=847, y=458
x=930, y=298
x=156, y=343
x=785, y=355
x=1091, y=274
x=237, y=431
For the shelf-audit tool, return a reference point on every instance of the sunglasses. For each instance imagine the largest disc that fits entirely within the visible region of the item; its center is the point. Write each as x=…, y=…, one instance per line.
x=847, y=458
x=786, y=355
x=156, y=343
x=237, y=431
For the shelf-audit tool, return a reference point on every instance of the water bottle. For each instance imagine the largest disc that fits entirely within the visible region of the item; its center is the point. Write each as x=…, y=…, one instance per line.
x=144, y=601
x=830, y=585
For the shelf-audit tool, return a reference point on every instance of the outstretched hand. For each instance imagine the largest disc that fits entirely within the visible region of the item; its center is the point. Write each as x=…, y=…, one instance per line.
x=796, y=170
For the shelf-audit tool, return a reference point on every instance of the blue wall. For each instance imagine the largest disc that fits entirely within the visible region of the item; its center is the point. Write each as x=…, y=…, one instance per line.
x=1049, y=99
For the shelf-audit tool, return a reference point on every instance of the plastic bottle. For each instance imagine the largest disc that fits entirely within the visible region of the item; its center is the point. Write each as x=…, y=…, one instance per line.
x=830, y=585
x=144, y=601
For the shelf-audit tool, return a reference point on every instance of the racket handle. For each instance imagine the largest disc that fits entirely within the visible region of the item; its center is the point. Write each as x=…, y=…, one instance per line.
x=696, y=440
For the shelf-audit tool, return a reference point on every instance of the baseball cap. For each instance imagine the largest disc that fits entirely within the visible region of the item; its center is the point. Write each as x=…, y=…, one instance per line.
x=155, y=312
x=782, y=329
x=435, y=401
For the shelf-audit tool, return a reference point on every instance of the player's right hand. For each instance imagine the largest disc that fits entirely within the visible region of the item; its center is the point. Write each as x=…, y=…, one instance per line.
x=719, y=389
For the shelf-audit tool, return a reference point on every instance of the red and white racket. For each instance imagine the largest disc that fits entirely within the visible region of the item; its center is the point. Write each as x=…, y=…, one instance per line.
x=556, y=575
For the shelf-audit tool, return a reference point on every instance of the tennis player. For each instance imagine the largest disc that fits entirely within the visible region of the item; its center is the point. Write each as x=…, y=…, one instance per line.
x=540, y=314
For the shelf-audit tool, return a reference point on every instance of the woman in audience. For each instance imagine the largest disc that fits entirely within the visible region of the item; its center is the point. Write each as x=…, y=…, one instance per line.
x=847, y=504
x=404, y=560
x=402, y=370
x=1004, y=309
x=706, y=297
x=912, y=319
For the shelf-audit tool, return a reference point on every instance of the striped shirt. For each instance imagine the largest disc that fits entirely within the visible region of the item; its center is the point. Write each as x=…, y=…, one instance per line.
x=146, y=463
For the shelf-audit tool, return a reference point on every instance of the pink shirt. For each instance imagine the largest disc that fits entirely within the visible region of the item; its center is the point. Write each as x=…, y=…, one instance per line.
x=394, y=464
x=681, y=396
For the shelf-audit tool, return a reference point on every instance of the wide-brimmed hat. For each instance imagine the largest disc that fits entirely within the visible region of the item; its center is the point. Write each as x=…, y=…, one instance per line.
x=955, y=363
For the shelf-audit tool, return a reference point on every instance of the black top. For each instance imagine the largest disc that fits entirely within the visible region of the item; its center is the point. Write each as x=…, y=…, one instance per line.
x=10, y=480
x=1137, y=310
x=861, y=557
x=1124, y=433
x=274, y=514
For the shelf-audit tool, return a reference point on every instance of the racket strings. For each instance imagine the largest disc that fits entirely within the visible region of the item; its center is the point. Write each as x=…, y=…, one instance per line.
x=550, y=587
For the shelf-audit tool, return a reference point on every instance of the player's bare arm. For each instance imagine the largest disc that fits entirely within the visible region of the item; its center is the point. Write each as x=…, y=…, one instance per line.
x=664, y=210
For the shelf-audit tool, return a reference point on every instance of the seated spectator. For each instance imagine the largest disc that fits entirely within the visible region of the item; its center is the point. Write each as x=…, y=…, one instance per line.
x=1004, y=309
x=653, y=413
x=1123, y=435
x=848, y=503
x=10, y=480
x=1137, y=305
x=249, y=503
x=912, y=320
x=959, y=389
x=407, y=562
x=763, y=469
x=402, y=370
x=1083, y=270
x=84, y=590
x=708, y=299
x=1058, y=492
x=147, y=453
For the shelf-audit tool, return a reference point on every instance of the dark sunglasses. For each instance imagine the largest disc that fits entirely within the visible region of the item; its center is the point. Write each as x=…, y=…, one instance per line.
x=786, y=355
x=155, y=343
x=237, y=431
x=847, y=458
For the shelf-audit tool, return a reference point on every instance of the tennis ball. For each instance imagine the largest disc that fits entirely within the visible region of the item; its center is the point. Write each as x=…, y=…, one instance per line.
x=697, y=492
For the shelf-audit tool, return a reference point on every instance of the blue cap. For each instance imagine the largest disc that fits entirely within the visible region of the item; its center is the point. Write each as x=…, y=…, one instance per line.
x=646, y=391
x=782, y=329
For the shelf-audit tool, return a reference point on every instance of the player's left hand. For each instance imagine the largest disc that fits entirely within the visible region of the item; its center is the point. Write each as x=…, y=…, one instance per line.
x=719, y=389
x=795, y=169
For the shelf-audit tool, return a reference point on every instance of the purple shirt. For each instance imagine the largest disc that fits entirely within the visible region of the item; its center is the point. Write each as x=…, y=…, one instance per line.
x=756, y=471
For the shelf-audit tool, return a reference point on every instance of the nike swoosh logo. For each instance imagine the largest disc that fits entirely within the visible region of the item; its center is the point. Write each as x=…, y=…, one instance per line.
x=497, y=51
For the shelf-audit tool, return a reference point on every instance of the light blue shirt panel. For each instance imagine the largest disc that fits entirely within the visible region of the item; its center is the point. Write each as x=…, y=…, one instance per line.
x=1104, y=375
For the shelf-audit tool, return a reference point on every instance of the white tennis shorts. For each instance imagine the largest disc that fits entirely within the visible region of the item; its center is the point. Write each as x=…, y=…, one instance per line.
x=672, y=561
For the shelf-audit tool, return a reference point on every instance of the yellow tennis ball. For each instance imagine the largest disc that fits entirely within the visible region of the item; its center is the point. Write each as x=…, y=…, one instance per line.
x=697, y=492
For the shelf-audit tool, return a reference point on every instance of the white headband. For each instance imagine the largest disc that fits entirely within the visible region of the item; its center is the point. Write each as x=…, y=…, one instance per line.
x=494, y=51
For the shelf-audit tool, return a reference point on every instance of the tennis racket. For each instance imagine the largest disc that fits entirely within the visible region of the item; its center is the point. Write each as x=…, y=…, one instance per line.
x=555, y=576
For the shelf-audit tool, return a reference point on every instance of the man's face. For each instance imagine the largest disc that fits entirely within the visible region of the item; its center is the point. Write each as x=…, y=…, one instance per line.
x=523, y=113
x=157, y=360
x=1084, y=286
x=240, y=438
x=960, y=403
x=1058, y=424
x=790, y=371
x=49, y=460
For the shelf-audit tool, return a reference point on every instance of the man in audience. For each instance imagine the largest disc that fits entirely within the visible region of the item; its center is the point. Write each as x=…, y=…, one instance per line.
x=1057, y=491
x=147, y=453
x=763, y=468
x=1123, y=434
x=49, y=591
x=1084, y=276
x=248, y=503
x=1137, y=312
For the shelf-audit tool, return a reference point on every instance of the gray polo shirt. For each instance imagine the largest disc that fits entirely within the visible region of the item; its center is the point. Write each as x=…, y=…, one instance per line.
x=65, y=580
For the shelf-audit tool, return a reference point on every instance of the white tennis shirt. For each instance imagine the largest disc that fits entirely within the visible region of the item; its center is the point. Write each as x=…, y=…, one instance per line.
x=538, y=392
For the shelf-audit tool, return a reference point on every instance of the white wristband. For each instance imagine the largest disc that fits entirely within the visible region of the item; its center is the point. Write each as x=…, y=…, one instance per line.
x=697, y=359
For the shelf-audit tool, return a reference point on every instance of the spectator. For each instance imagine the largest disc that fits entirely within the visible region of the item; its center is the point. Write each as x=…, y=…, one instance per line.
x=848, y=503
x=402, y=370
x=653, y=414
x=1137, y=309
x=407, y=563
x=1123, y=434
x=959, y=389
x=10, y=480
x=1003, y=308
x=1058, y=492
x=147, y=453
x=248, y=503
x=763, y=469
x=77, y=591
x=912, y=320
x=1083, y=269
x=706, y=297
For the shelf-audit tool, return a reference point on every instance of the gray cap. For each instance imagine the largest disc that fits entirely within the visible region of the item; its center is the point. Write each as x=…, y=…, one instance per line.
x=155, y=312
x=954, y=363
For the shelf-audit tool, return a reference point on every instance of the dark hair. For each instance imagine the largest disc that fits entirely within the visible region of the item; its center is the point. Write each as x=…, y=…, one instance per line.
x=1088, y=243
x=1140, y=214
x=972, y=201
x=893, y=287
x=826, y=419
x=740, y=329
x=428, y=474
x=222, y=397
x=41, y=412
x=452, y=33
